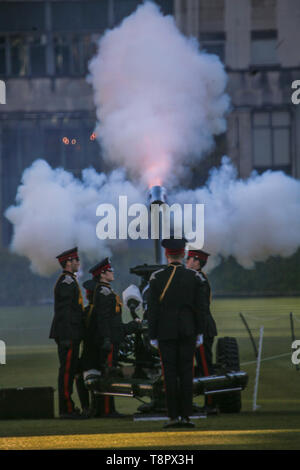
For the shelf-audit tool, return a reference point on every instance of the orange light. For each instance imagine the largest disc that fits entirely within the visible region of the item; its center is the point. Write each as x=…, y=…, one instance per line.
x=155, y=182
x=73, y=141
x=66, y=140
x=93, y=136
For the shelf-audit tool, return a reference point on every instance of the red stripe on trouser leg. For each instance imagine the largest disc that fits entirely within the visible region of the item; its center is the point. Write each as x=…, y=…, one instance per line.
x=110, y=357
x=66, y=380
x=194, y=365
x=203, y=359
x=205, y=368
x=107, y=398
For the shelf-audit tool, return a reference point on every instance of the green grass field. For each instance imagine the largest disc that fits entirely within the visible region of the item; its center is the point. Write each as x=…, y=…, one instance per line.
x=275, y=425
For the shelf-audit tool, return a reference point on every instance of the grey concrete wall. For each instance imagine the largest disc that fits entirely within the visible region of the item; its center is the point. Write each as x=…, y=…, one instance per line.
x=288, y=24
x=196, y=16
x=211, y=15
x=237, y=28
x=263, y=14
x=296, y=163
x=46, y=94
x=239, y=142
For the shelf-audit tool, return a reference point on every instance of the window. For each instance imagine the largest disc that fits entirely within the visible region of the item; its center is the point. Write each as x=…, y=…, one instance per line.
x=28, y=55
x=25, y=44
x=19, y=57
x=88, y=49
x=213, y=43
x=62, y=55
x=72, y=53
x=37, y=54
x=264, y=48
x=271, y=141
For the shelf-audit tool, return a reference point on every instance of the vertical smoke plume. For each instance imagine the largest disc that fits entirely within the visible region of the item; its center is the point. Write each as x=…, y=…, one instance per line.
x=159, y=100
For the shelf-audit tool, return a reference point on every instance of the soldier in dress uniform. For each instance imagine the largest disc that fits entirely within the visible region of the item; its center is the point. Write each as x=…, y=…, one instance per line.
x=196, y=260
x=98, y=405
x=67, y=329
x=105, y=329
x=176, y=315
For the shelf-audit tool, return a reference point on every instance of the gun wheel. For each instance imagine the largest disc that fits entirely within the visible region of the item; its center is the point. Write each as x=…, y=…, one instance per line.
x=228, y=358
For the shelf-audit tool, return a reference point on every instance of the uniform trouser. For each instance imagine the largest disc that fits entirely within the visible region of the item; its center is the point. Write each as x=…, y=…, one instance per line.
x=101, y=405
x=177, y=357
x=106, y=404
x=68, y=359
x=205, y=360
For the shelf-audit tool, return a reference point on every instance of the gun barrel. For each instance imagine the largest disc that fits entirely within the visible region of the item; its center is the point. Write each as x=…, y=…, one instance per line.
x=157, y=195
x=226, y=383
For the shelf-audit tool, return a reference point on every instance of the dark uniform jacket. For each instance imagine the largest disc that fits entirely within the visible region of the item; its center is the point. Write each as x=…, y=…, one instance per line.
x=210, y=328
x=105, y=320
x=182, y=310
x=68, y=309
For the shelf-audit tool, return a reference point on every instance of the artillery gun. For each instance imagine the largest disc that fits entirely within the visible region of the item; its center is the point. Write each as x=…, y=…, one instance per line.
x=140, y=375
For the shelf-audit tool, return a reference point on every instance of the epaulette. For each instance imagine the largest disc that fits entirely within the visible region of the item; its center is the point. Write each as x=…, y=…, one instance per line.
x=156, y=272
x=200, y=275
x=68, y=279
x=105, y=290
x=145, y=289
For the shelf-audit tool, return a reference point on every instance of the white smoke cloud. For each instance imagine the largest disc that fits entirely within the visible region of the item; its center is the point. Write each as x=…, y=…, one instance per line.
x=249, y=219
x=55, y=211
x=159, y=100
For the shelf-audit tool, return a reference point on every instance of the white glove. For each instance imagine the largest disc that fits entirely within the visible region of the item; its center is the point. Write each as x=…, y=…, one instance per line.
x=199, y=341
x=154, y=343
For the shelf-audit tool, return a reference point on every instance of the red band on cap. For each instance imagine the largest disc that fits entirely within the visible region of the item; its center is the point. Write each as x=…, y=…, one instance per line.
x=196, y=254
x=70, y=256
x=101, y=269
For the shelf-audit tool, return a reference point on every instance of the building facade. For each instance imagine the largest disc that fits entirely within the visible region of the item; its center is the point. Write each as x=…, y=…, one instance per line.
x=257, y=41
x=49, y=113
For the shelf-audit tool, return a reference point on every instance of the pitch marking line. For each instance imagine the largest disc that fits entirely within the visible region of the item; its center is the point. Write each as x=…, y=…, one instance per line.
x=271, y=358
x=153, y=440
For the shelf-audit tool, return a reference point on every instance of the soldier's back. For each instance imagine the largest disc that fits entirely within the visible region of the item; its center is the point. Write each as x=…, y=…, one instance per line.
x=174, y=308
